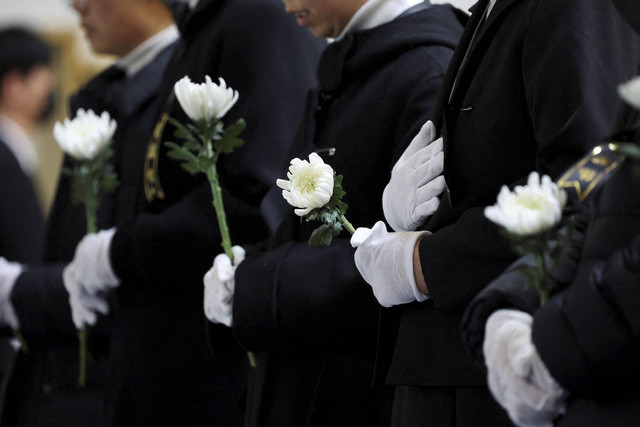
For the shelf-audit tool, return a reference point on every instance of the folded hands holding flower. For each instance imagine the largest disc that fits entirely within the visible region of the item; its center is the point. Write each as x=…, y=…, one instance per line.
x=87, y=140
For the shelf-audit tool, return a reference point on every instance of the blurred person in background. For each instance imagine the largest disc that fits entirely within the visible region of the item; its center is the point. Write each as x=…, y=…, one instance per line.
x=26, y=80
x=43, y=391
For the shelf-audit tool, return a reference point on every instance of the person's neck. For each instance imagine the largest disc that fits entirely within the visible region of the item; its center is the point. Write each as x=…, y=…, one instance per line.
x=25, y=122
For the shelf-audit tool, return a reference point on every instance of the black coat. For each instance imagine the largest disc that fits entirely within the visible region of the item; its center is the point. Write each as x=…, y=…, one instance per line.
x=21, y=219
x=306, y=310
x=44, y=388
x=164, y=373
x=586, y=334
x=538, y=83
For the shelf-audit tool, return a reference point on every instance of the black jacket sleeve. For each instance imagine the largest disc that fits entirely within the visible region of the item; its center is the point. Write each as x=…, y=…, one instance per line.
x=589, y=335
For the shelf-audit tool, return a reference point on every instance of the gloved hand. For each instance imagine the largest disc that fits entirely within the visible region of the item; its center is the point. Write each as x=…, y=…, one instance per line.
x=219, y=286
x=411, y=195
x=88, y=275
x=84, y=305
x=517, y=377
x=385, y=261
x=9, y=272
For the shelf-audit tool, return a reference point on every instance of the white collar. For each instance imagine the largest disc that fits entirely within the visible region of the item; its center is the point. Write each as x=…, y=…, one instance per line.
x=376, y=12
x=16, y=139
x=146, y=51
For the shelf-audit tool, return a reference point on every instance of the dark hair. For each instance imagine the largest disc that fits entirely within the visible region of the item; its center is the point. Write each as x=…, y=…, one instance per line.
x=21, y=49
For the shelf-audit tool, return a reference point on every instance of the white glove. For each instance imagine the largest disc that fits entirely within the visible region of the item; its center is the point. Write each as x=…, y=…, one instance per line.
x=411, y=195
x=517, y=377
x=385, y=261
x=219, y=286
x=84, y=305
x=9, y=272
x=92, y=263
x=88, y=274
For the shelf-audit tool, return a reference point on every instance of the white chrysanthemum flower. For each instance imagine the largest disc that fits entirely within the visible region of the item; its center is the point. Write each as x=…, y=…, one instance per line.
x=529, y=209
x=205, y=101
x=630, y=92
x=86, y=136
x=310, y=184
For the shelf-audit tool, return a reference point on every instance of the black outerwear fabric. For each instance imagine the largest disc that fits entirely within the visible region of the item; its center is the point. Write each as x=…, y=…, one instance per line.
x=538, y=84
x=587, y=333
x=21, y=219
x=44, y=389
x=306, y=311
x=164, y=373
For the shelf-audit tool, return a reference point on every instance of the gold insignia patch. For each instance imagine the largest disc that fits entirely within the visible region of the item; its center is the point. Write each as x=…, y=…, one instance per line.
x=152, y=186
x=592, y=170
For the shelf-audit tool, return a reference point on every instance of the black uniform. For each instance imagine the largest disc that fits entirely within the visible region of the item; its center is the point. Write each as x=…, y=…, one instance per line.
x=586, y=333
x=21, y=219
x=538, y=83
x=44, y=389
x=307, y=311
x=163, y=371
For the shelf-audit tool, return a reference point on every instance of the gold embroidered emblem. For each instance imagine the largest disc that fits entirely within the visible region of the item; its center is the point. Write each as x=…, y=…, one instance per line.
x=583, y=177
x=152, y=186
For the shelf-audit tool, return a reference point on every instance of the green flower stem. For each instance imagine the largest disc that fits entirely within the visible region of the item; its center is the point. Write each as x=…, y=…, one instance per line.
x=218, y=205
x=82, y=374
x=347, y=224
x=83, y=334
x=542, y=285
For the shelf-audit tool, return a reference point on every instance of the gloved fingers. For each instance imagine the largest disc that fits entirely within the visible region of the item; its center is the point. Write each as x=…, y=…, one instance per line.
x=238, y=254
x=425, y=209
x=426, y=154
x=369, y=236
x=423, y=138
x=429, y=169
x=218, y=313
x=80, y=314
x=94, y=303
x=69, y=280
x=221, y=291
x=378, y=234
x=360, y=236
x=222, y=267
x=431, y=189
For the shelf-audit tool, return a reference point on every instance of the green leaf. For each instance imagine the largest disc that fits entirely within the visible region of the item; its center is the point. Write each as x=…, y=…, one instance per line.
x=321, y=236
x=229, y=139
x=191, y=168
x=181, y=132
x=179, y=153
